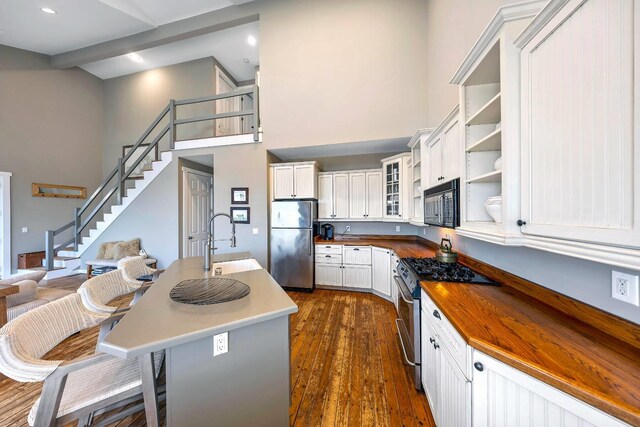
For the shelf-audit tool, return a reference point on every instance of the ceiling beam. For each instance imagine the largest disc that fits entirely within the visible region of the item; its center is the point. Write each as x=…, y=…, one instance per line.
x=206, y=23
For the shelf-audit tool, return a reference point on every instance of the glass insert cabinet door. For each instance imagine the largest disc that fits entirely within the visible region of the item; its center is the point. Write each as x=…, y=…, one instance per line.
x=392, y=190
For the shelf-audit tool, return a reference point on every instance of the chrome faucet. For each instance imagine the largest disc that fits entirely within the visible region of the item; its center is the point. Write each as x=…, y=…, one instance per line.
x=210, y=239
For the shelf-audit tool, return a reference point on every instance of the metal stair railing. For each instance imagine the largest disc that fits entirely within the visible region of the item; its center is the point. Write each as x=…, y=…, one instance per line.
x=114, y=183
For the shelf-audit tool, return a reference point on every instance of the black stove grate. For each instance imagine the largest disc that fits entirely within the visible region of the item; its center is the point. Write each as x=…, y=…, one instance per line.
x=433, y=270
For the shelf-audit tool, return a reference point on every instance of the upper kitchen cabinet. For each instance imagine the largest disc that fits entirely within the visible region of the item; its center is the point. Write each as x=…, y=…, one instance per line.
x=333, y=195
x=396, y=186
x=489, y=83
x=365, y=188
x=442, y=152
x=418, y=168
x=294, y=180
x=580, y=140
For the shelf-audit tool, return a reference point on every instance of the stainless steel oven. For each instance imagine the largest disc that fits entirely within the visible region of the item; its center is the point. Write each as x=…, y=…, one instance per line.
x=442, y=206
x=408, y=321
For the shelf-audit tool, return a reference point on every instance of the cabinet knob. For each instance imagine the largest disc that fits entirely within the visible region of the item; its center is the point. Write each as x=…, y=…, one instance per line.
x=436, y=346
x=431, y=340
x=479, y=366
x=436, y=314
x=521, y=223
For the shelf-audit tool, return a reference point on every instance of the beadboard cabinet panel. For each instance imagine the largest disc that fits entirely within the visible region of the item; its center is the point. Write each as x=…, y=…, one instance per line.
x=374, y=195
x=579, y=153
x=329, y=274
x=325, y=196
x=341, y=195
x=356, y=276
x=358, y=191
x=504, y=397
x=305, y=181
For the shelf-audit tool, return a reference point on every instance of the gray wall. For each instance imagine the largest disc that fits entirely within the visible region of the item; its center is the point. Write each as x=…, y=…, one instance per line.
x=452, y=27
x=336, y=71
x=386, y=228
x=51, y=124
x=132, y=102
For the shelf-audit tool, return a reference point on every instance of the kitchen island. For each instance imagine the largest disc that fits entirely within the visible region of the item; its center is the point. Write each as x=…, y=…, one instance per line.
x=248, y=385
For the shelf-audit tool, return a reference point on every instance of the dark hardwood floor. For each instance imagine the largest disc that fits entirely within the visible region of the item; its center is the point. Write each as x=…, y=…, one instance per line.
x=346, y=365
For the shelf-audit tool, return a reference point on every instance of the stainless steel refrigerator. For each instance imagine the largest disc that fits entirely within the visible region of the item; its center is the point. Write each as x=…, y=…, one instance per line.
x=292, y=248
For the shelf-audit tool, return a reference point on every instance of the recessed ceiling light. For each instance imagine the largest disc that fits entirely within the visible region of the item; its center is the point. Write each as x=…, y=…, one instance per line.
x=252, y=41
x=47, y=10
x=245, y=60
x=135, y=57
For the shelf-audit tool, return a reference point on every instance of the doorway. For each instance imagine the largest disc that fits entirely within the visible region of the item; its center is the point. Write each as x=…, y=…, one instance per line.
x=231, y=125
x=197, y=190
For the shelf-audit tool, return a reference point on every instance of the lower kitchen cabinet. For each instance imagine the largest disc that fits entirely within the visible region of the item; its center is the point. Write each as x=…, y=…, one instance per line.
x=381, y=266
x=505, y=396
x=329, y=274
x=356, y=276
x=447, y=389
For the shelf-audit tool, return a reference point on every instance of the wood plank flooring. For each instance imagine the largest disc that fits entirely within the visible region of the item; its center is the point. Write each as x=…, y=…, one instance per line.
x=346, y=366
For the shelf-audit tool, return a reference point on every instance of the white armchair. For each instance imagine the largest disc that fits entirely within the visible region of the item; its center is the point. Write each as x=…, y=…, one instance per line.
x=75, y=389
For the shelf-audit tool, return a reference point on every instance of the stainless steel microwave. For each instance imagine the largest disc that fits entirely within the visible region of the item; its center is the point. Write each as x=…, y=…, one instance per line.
x=442, y=205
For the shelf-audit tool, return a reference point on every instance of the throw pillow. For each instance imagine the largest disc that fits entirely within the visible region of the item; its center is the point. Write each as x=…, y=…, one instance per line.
x=106, y=250
x=123, y=249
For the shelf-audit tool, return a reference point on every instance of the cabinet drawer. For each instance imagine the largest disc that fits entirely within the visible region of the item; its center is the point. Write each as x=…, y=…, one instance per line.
x=357, y=255
x=328, y=259
x=329, y=249
x=455, y=345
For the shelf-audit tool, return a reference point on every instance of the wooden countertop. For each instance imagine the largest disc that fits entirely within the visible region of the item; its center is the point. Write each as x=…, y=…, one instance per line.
x=576, y=348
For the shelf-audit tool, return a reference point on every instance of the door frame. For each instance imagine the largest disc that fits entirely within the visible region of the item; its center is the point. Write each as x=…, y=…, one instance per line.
x=5, y=225
x=186, y=190
x=220, y=74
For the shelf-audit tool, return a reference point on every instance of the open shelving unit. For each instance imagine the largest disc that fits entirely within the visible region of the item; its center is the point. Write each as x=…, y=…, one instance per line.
x=416, y=188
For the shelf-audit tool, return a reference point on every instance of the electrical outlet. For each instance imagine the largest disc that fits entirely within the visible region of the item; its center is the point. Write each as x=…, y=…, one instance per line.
x=348, y=229
x=397, y=228
x=624, y=287
x=255, y=231
x=424, y=231
x=220, y=344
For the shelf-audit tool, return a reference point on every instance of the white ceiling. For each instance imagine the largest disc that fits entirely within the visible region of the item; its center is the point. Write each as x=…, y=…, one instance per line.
x=228, y=46
x=81, y=23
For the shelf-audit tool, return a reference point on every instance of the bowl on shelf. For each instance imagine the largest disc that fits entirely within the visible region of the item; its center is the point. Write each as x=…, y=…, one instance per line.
x=493, y=205
x=498, y=164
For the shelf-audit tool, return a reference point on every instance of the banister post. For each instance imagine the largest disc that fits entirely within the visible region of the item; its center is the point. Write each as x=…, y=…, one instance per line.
x=172, y=123
x=120, y=183
x=48, y=245
x=256, y=114
x=76, y=229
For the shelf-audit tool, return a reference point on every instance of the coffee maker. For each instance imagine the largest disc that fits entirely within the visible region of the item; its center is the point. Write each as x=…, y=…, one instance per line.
x=326, y=231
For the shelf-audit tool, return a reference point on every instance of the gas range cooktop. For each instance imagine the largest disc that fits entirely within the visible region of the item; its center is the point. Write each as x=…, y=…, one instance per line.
x=432, y=270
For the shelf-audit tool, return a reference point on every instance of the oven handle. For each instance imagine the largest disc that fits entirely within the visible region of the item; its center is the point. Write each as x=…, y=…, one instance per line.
x=402, y=343
x=400, y=289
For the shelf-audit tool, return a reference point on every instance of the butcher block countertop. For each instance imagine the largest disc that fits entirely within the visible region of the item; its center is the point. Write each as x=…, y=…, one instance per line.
x=574, y=347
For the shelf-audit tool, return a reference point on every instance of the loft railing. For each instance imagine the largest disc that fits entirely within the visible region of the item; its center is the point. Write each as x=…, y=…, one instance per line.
x=114, y=183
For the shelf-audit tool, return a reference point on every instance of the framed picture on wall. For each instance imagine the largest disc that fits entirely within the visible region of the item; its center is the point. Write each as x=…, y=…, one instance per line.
x=144, y=165
x=240, y=215
x=240, y=196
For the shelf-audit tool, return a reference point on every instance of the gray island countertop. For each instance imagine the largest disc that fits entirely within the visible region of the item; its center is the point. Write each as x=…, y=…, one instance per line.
x=156, y=322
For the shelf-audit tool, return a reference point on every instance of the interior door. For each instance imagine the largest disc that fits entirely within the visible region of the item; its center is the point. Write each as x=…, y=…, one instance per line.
x=197, y=188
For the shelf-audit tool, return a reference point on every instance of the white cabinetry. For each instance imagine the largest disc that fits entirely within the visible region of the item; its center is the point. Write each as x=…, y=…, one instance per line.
x=396, y=184
x=328, y=265
x=446, y=385
x=381, y=265
x=418, y=183
x=294, y=180
x=333, y=196
x=489, y=82
x=356, y=276
x=365, y=189
x=348, y=266
x=504, y=396
x=580, y=135
x=393, y=273
x=442, y=152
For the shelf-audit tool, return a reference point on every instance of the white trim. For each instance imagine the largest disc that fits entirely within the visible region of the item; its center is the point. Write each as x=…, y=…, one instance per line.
x=416, y=137
x=310, y=162
x=186, y=189
x=217, y=141
x=542, y=19
x=610, y=255
x=443, y=124
x=5, y=223
x=490, y=237
x=504, y=14
x=195, y=171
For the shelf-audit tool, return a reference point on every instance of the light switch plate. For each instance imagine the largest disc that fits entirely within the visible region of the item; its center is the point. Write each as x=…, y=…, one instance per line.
x=255, y=231
x=397, y=228
x=624, y=287
x=25, y=229
x=220, y=344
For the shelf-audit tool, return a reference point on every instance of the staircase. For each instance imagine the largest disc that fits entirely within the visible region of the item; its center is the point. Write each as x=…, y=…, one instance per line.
x=112, y=197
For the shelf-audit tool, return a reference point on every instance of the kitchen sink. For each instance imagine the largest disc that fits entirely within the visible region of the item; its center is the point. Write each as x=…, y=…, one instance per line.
x=212, y=290
x=237, y=266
